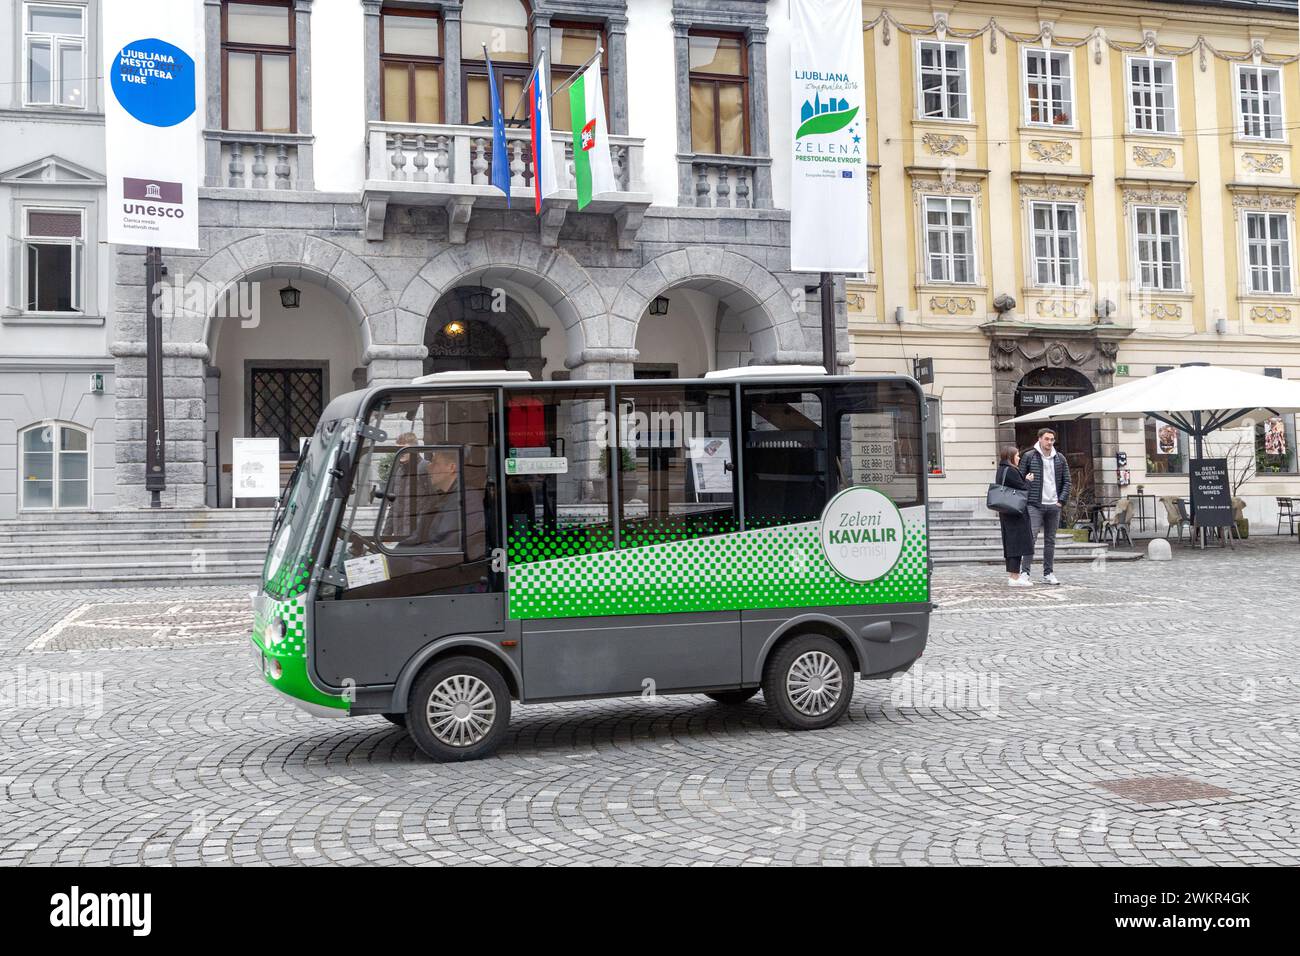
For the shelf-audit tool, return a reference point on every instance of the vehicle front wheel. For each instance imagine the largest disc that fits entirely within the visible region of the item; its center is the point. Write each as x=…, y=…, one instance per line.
x=732, y=698
x=459, y=709
x=808, y=682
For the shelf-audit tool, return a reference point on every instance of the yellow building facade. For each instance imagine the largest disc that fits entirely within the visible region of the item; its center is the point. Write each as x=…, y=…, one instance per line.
x=1073, y=196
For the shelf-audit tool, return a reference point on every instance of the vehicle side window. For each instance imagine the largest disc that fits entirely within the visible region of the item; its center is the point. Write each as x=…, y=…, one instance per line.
x=785, y=455
x=879, y=440
x=677, y=472
x=423, y=515
x=558, y=482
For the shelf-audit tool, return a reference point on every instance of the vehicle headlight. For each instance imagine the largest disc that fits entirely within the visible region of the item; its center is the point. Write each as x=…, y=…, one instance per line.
x=274, y=668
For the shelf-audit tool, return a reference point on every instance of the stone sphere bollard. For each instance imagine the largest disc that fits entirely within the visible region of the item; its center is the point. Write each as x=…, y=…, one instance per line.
x=1159, y=550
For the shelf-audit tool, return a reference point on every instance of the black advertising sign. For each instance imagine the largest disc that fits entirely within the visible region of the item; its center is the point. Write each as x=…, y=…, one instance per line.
x=1211, y=492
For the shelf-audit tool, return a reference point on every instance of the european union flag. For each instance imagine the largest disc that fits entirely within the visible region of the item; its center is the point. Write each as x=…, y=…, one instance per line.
x=500, y=163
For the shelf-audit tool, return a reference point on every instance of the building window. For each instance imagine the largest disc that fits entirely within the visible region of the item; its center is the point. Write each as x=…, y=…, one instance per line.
x=949, y=240
x=572, y=46
x=258, y=66
x=1055, y=231
x=1268, y=252
x=719, y=93
x=410, y=61
x=286, y=403
x=1166, y=449
x=53, y=260
x=1151, y=95
x=501, y=25
x=1259, y=94
x=1275, y=452
x=934, y=435
x=54, y=55
x=1049, y=88
x=55, y=467
x=944, y=89
x=1158, y=248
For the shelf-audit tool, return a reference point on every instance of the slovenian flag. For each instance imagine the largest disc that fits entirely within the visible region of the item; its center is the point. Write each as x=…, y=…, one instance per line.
x=592, y=167
x=545, y=182
x=500, y=164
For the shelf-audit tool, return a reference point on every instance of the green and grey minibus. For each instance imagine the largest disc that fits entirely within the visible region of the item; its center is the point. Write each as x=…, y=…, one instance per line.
x=475, y=538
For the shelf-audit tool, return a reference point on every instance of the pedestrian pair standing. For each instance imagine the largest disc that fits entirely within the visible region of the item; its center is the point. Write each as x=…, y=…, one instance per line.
x=1042, y=474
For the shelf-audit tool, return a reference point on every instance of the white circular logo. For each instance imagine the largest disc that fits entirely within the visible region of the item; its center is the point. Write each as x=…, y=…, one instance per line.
x=862, y=533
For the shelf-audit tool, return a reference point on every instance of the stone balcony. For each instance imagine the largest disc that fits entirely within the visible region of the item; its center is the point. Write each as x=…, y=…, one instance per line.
x=451, y=166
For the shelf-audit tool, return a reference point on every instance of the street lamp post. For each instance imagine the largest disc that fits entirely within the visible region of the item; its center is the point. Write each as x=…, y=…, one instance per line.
x=155, y=464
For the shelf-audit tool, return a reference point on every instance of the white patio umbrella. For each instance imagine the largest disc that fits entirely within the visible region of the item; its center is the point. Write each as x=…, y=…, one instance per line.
x=1197, y=399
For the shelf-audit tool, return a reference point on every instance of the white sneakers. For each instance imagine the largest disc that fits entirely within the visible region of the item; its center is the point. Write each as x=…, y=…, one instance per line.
x=1050, y=579
x=1022, y=581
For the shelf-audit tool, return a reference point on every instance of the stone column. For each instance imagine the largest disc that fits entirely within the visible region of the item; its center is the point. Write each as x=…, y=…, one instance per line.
x=759, y=137
x=212, y=80
x=682, y=74
x=302, y=27
x=452, y=108
x=394, y=364
x=616, y=55
x=371, y=66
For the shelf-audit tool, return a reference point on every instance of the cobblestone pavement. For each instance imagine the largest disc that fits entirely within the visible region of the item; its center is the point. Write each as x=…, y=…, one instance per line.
x=1143, y=712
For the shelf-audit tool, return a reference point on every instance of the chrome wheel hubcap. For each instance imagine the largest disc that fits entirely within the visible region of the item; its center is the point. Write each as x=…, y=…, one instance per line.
x=814, y=683
x=461, y=710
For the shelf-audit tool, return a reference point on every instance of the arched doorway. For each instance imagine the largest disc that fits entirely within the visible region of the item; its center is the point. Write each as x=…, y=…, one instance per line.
x=477, y=327
x=1042, y=388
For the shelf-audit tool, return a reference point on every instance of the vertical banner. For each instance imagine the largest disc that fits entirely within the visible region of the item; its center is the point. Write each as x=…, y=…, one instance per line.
x=153, y=84
x=829, y=221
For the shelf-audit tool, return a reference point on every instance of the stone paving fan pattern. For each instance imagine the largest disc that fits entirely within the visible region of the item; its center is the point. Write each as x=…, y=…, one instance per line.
x=1135, y=672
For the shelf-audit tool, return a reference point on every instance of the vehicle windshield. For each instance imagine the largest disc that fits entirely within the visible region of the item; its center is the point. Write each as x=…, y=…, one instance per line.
x=292, y=552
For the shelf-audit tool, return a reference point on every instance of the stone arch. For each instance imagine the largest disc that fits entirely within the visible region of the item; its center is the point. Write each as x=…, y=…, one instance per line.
x=511, y=336
x=287, y=255
x=508, y=261
x=751, y=300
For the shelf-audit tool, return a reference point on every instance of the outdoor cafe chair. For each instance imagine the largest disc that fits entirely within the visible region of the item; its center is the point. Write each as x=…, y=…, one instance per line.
x=1117, y=526
x=1176, y=515
x=1286, y=512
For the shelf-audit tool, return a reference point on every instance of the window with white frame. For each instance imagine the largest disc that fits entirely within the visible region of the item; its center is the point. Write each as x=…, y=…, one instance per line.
x=949, y=239
x=1268, y=252
x=55, y=466
x=1159, y=248
x=944, y=87
x=54, y=55
x=1151, y=95
x=1054, y=227
x=52, y=259
x=1049, y=88
x=1259, y=97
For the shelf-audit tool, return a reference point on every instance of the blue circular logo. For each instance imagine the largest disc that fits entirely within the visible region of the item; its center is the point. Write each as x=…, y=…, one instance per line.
x=154, y=82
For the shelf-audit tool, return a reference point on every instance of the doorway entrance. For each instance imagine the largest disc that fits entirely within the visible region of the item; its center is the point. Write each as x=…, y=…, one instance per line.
x=1077, y=441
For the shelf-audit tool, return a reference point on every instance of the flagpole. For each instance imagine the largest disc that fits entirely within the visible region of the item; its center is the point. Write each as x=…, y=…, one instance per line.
x=600, y=51
x=536, y=66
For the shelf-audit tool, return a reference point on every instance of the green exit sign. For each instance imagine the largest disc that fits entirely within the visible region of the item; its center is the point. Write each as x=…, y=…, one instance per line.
x=1121, y=369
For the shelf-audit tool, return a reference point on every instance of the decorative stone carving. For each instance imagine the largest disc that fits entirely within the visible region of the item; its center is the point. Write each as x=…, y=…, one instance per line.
x=950, y=144
x=1267, y=163
x=1264, y=202
x=1050, y=151
x=1057, y=308
x=1055, y=192
x=947, y=185
x=953, y=304
x=1154, y=196
x=1148, y=156
x=1270, y=313
x=1163, y=311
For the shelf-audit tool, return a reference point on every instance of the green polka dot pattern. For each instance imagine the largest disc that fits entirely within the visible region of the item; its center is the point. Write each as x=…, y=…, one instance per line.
x=290, y=581
x=781, y=566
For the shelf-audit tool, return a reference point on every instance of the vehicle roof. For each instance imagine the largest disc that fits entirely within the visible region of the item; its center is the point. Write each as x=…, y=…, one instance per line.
x=349, y=404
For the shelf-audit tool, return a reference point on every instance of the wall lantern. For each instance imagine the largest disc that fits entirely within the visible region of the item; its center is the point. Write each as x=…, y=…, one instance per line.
x=290, y=297
x=480, y=300
x=453, y=329
x=659, y=306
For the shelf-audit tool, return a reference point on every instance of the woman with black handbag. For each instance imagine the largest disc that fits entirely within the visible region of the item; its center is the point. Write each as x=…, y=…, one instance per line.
x=1017, y=534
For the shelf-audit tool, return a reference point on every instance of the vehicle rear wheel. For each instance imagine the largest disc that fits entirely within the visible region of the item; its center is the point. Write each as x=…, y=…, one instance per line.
x=808, y=682
x=732, y=698
x=396, y=719
x=459, y=709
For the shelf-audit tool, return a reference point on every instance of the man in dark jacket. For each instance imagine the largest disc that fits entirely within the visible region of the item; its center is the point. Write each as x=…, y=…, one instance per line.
x=1048, y=492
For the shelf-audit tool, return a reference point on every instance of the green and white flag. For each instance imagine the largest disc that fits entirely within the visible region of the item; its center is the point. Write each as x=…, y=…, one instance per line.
x=592, y=167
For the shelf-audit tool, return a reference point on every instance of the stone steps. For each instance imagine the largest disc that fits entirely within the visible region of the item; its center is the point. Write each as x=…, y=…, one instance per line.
x=963, y=537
